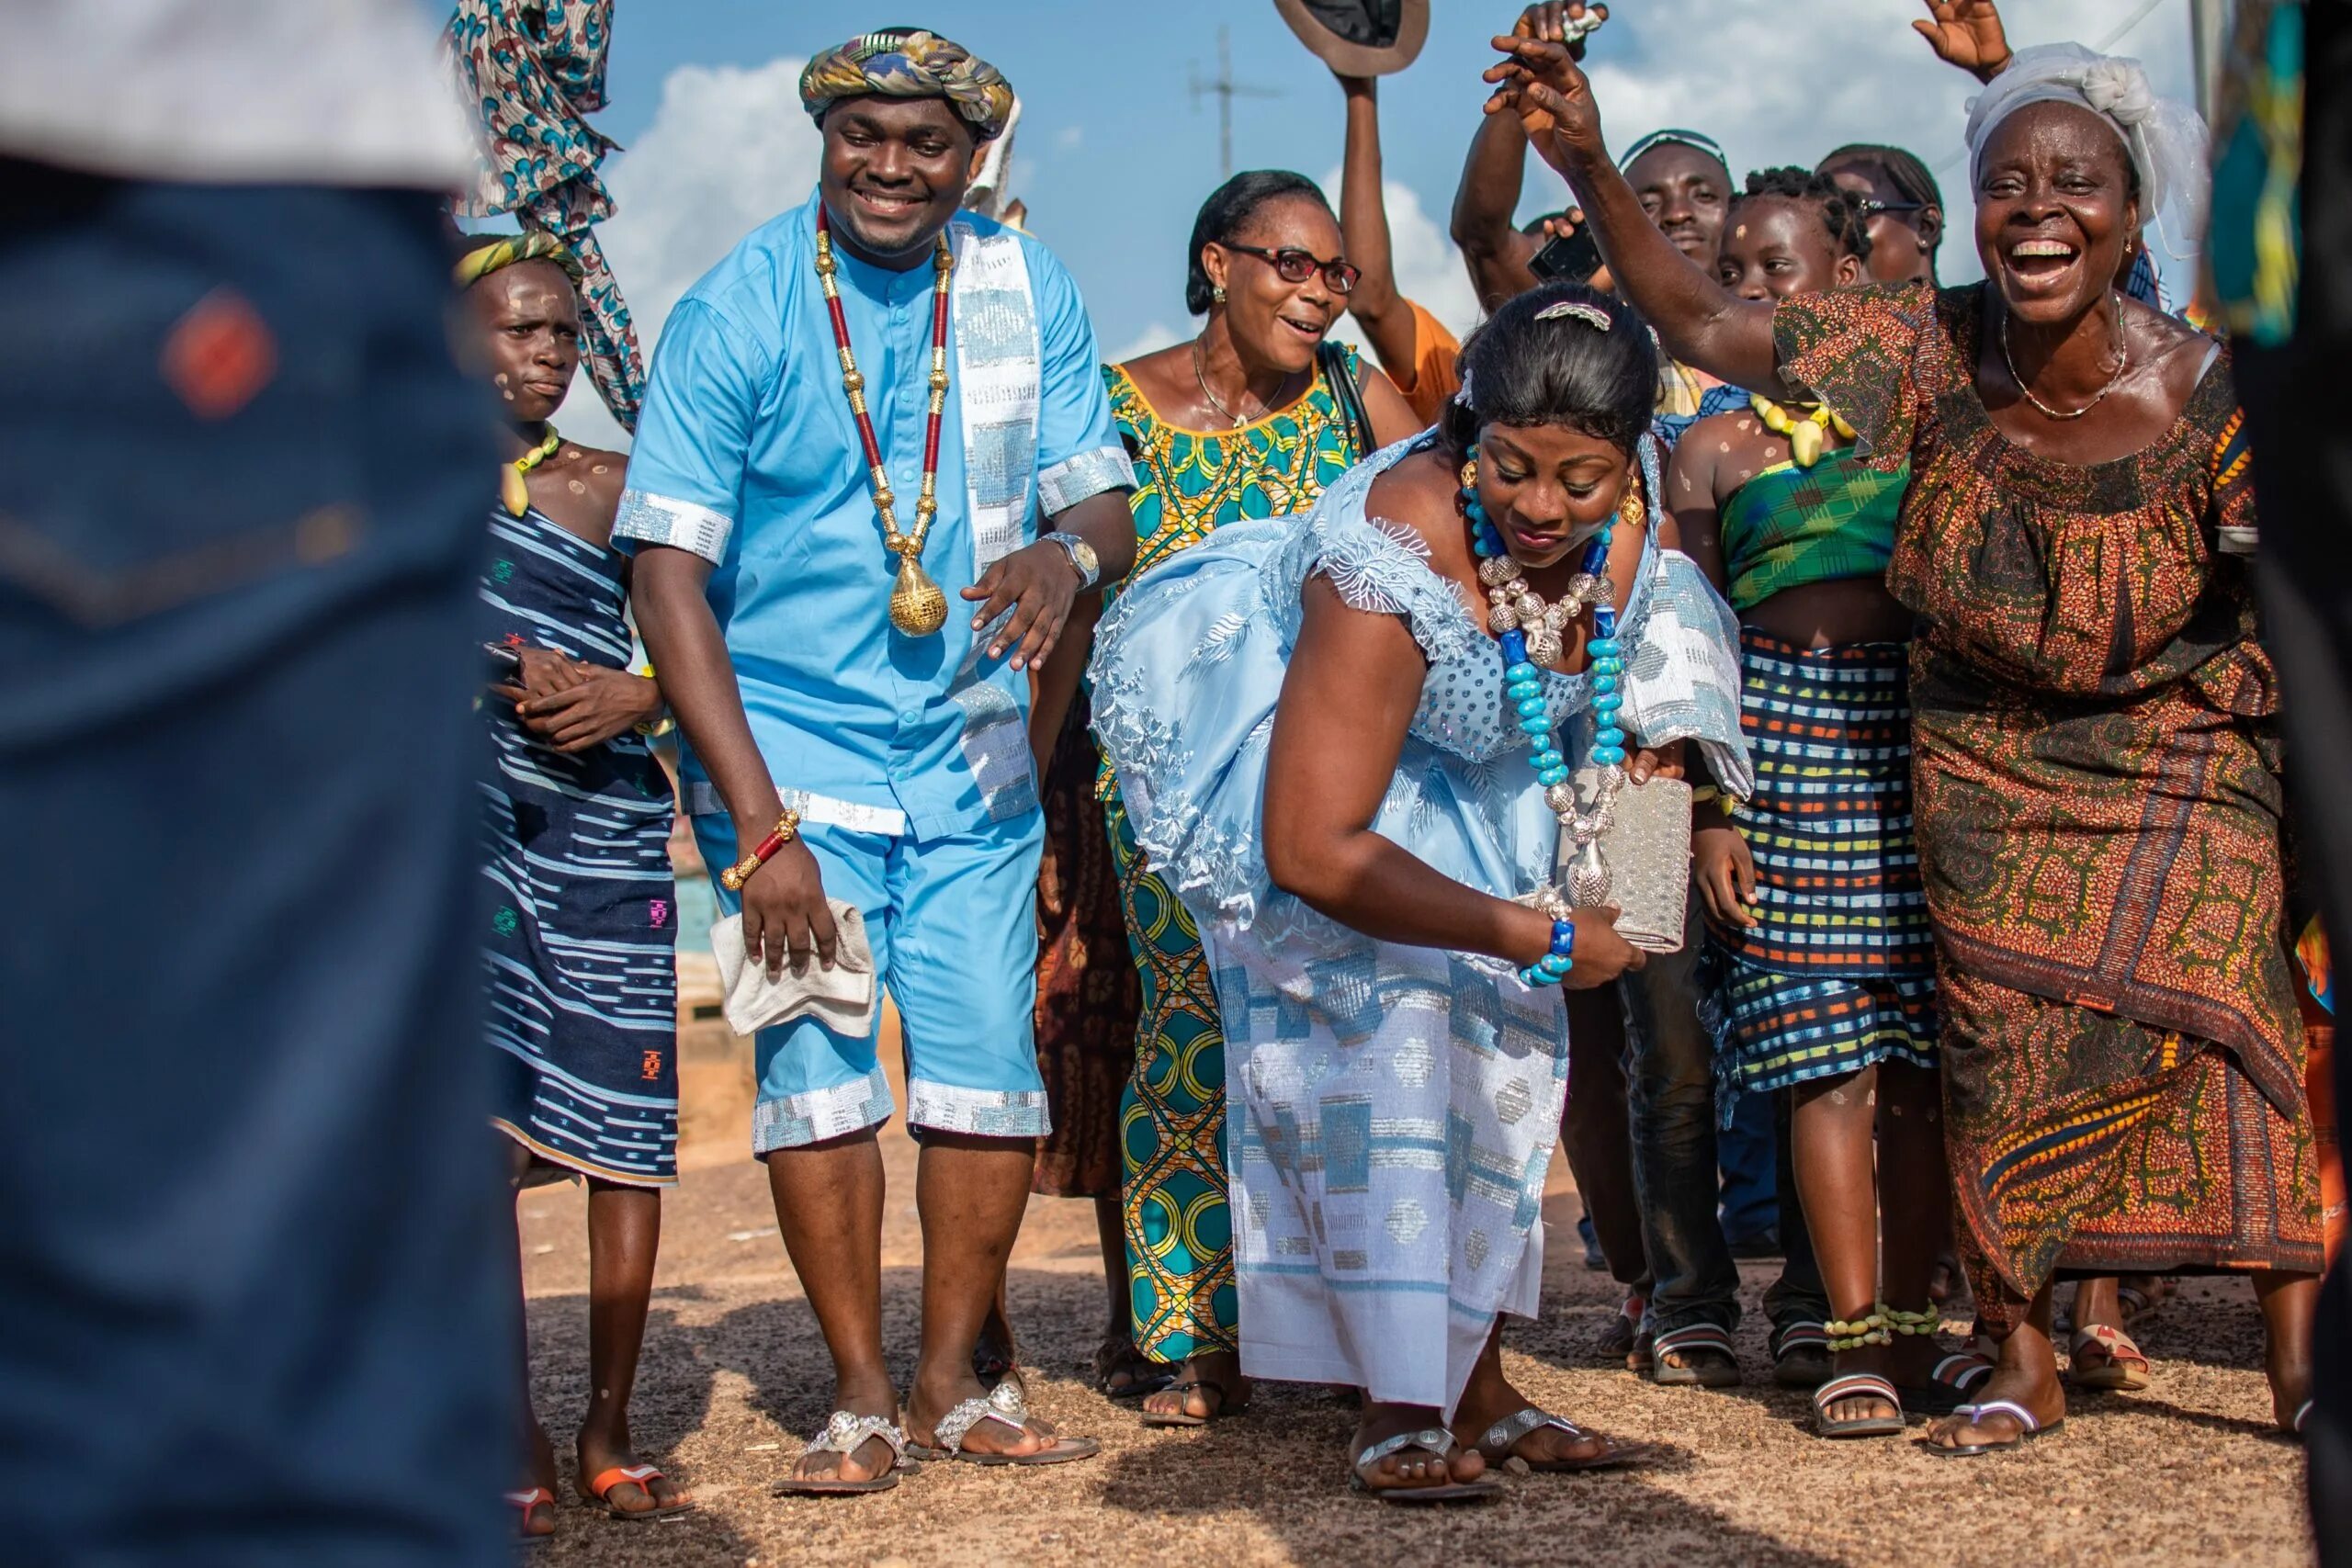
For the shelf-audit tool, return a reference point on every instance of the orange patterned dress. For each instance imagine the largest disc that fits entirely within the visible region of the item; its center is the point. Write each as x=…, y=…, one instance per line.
x=2097, y=776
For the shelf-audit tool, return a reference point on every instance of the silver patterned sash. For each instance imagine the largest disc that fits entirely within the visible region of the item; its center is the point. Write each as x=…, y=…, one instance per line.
x=997, y=376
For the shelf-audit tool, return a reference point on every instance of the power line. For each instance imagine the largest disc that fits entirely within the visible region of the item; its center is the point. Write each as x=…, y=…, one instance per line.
x=2147, y=8
x=1225, y=89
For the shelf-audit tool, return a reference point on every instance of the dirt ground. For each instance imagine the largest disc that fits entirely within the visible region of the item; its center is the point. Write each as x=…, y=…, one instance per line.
x=735, y=1376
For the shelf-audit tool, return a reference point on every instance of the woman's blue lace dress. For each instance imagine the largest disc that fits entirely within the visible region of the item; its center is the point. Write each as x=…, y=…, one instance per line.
x=1398, y=1106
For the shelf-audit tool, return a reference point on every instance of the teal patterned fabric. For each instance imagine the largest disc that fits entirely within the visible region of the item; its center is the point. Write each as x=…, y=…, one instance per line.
x=531, y=71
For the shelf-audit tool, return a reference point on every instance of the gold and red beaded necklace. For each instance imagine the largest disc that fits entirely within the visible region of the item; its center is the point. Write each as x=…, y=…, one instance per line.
x=918, y=608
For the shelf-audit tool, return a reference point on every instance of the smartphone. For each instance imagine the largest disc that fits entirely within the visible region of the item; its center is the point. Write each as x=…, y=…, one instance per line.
x=1575, y=257
x=505, y=666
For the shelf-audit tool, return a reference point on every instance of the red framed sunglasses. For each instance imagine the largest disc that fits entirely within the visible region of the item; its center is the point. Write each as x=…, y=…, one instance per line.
x=1294, y=265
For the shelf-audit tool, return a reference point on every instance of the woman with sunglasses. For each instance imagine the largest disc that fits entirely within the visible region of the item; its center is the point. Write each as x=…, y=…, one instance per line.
x=1251, y=418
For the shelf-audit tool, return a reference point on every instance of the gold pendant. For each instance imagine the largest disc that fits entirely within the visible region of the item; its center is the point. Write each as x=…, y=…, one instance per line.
x=513, y=490
x=917, y=607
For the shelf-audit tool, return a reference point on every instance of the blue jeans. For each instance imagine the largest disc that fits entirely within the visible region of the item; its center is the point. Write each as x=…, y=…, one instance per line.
x=250, y=1303
x=1751, y=1188
x=1670, y=1101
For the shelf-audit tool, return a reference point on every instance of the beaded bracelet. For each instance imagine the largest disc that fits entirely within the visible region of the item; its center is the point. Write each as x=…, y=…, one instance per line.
x=1553, y=966
x=1912, y=1323
x=787, y=828
x=1861, y=1331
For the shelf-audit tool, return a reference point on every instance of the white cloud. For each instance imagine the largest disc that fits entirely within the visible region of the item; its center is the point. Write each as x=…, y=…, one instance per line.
x=1069, y=137
x=1426, y=266
x=728, y=149
x=1774, y=92
x=1151, y=340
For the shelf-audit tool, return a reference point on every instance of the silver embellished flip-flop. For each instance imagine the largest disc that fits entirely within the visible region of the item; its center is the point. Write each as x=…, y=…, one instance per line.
x=1003, y=1404
x=1502, y=1438
x=1431, y=1439
x=844, y=1434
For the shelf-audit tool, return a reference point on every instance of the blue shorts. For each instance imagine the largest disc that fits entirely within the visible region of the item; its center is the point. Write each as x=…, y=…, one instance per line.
x=954, y=926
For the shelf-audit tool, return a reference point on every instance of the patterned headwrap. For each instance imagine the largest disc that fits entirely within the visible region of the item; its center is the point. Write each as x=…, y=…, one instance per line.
x=506, y=250
x=1690, y=139
x=910, y=63
x=527, y=72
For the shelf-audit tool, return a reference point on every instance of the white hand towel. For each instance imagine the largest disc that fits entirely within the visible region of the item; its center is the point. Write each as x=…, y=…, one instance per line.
x=841, y=998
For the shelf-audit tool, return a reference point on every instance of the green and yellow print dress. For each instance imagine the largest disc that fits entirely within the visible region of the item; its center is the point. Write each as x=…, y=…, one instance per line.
x=1189, y=483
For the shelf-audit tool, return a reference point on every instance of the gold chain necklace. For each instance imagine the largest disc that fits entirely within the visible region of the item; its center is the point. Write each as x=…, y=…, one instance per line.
x=511, y=488
x=2123, y=363
x=918, y=607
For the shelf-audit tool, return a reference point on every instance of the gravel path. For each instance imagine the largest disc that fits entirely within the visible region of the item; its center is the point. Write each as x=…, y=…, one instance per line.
x=735, y=1376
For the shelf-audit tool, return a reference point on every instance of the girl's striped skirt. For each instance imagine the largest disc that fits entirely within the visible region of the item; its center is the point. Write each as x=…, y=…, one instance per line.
x=1839, y=971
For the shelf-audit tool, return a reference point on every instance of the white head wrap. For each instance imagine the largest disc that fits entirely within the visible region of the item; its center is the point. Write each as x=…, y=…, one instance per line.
x=2166, y=140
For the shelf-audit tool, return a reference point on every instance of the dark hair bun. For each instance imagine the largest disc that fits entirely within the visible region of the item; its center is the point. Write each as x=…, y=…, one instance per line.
x=1848, y=233
x=1229, y=210
x=1530, y=365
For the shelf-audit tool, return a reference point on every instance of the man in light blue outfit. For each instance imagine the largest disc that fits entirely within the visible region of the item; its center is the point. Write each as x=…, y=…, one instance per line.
x=789, y=454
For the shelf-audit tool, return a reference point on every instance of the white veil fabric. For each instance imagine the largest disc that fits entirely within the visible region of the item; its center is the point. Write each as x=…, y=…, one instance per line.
x=2166, y=139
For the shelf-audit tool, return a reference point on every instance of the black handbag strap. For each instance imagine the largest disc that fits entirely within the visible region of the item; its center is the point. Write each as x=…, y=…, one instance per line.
x=1348, y=393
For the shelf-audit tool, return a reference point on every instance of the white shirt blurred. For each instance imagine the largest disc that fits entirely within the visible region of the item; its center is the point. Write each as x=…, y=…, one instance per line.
x=325, y=92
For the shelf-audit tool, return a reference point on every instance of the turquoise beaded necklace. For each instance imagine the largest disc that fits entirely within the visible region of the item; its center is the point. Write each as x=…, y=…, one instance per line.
x=1523, y=685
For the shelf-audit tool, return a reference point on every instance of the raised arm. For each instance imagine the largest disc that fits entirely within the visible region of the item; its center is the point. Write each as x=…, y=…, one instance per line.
x=1387, y=319
x=1496, y=252
x=1967, y=33
x=1700, y=322
x=1492, y=247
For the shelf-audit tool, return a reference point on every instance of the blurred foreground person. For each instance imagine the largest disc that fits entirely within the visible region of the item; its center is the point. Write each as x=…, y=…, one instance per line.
x=249, y=1289
x=577, y=957
x=2282, y=218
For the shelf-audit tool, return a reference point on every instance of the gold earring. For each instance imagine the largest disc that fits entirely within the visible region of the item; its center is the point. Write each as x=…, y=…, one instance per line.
x=1217, y=294
x=1469, y=474
x=1630, y=510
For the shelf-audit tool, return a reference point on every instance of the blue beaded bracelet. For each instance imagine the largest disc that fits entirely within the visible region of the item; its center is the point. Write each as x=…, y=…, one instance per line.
x=1553, y=966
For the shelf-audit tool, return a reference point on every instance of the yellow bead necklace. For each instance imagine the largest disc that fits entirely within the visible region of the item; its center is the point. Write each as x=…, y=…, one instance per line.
x=1804, y=426
x=511, y=488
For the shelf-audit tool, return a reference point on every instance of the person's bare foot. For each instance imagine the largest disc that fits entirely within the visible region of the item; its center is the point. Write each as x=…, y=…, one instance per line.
x=2035, y=1388
x=930, y=1399
x=995, y=1357
x=2288, y=1371
x=1209, y=1387
x=600, y=1451
x=871, y=1458
x=1122, y=1371
x=539, y=1518
x=1490, y=1398
x=1410, y=1466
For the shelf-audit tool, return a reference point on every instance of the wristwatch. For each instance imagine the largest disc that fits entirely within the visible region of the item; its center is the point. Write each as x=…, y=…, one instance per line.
x=1083, y=558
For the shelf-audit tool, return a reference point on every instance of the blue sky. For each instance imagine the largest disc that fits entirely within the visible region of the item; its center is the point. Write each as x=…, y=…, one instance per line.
x=1113, y=158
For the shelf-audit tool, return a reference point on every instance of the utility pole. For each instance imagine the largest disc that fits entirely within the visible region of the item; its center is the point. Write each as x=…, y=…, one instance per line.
x=2209, y=24
x=1225, y=89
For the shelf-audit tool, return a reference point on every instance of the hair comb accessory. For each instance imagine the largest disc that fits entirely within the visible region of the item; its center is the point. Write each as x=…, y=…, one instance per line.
x=1575, y=309
x=1462, y=396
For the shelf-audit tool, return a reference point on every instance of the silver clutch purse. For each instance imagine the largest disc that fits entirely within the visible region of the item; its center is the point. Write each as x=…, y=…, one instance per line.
x=1645, y=852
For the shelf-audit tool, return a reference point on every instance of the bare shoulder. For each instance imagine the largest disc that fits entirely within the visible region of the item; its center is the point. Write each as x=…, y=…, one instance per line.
x=1161, y=374
x=588, y=481
x=2172, y=349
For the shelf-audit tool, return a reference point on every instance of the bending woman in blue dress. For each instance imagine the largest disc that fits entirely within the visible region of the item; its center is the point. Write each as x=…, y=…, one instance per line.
x=1355, y=771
